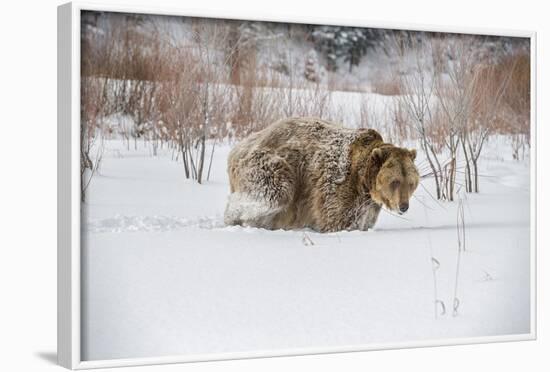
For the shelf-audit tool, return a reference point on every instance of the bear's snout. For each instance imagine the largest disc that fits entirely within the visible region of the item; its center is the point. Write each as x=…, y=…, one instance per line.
x=403, y=207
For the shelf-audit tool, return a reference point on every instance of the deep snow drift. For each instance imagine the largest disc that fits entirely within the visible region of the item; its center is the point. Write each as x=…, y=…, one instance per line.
x=162, y=275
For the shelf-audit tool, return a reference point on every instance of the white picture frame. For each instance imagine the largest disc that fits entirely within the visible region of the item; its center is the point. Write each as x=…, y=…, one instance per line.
x=69, y=218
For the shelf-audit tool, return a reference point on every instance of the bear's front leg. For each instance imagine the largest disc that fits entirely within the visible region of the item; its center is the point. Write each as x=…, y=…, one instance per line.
x=371, y=215
x=368, y=216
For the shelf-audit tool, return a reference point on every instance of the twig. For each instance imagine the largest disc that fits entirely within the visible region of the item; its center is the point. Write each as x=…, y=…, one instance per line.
x=432, y=197
x=306, y=240
x=435, y=264
x=461, y=237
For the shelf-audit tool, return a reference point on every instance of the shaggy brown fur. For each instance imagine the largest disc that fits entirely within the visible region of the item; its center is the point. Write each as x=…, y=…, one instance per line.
x=306, y=172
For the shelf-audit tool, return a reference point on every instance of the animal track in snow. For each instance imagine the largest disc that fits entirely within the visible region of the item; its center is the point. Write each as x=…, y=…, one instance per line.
x=119, y=223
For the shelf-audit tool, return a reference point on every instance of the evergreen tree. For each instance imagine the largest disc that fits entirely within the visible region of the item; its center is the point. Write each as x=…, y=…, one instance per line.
x=347, y=43
x=326, y=39
x=357, y=41
x=312, y=71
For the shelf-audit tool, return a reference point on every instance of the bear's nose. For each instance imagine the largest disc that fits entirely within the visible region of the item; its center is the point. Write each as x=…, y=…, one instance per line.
x=403, y=207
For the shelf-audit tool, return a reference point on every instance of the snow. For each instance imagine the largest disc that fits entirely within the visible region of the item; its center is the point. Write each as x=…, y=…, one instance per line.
x=242, y=207
x=162, y=275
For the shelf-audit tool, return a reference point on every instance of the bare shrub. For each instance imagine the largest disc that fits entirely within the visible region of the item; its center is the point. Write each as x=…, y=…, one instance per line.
x=190, y=92
x=455, y=91
x=489, y=84
x=313, y=100
x=417, y=100
x=178, y=102
x=255, y=103
x=93, y=110
x=388, y=86
x=516, y=103
x=368, y=117
x=399, y=122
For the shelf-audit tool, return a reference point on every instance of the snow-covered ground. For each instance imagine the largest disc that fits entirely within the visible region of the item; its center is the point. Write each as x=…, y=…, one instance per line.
x=163, y=276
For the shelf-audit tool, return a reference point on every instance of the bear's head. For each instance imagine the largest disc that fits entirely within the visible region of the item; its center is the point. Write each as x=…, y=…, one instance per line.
x=392, y=177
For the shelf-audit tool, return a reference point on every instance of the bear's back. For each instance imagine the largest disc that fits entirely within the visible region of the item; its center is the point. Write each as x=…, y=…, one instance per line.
x=300, y=133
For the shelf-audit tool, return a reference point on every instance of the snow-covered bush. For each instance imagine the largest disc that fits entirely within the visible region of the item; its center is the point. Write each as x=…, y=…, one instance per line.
x=179, y=82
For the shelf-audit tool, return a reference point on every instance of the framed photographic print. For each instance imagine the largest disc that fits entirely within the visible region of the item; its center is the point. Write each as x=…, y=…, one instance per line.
x=237, y=188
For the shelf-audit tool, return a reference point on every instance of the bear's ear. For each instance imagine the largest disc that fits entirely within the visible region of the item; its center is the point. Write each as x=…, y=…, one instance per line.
x=378, y=155
x=412, y=153
x=367, y=136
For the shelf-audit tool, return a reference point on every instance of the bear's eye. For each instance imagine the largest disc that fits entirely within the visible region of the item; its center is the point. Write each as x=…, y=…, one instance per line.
x=395, y=184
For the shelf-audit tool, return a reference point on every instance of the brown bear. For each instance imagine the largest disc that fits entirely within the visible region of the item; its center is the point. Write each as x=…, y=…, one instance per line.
x=310, y=173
